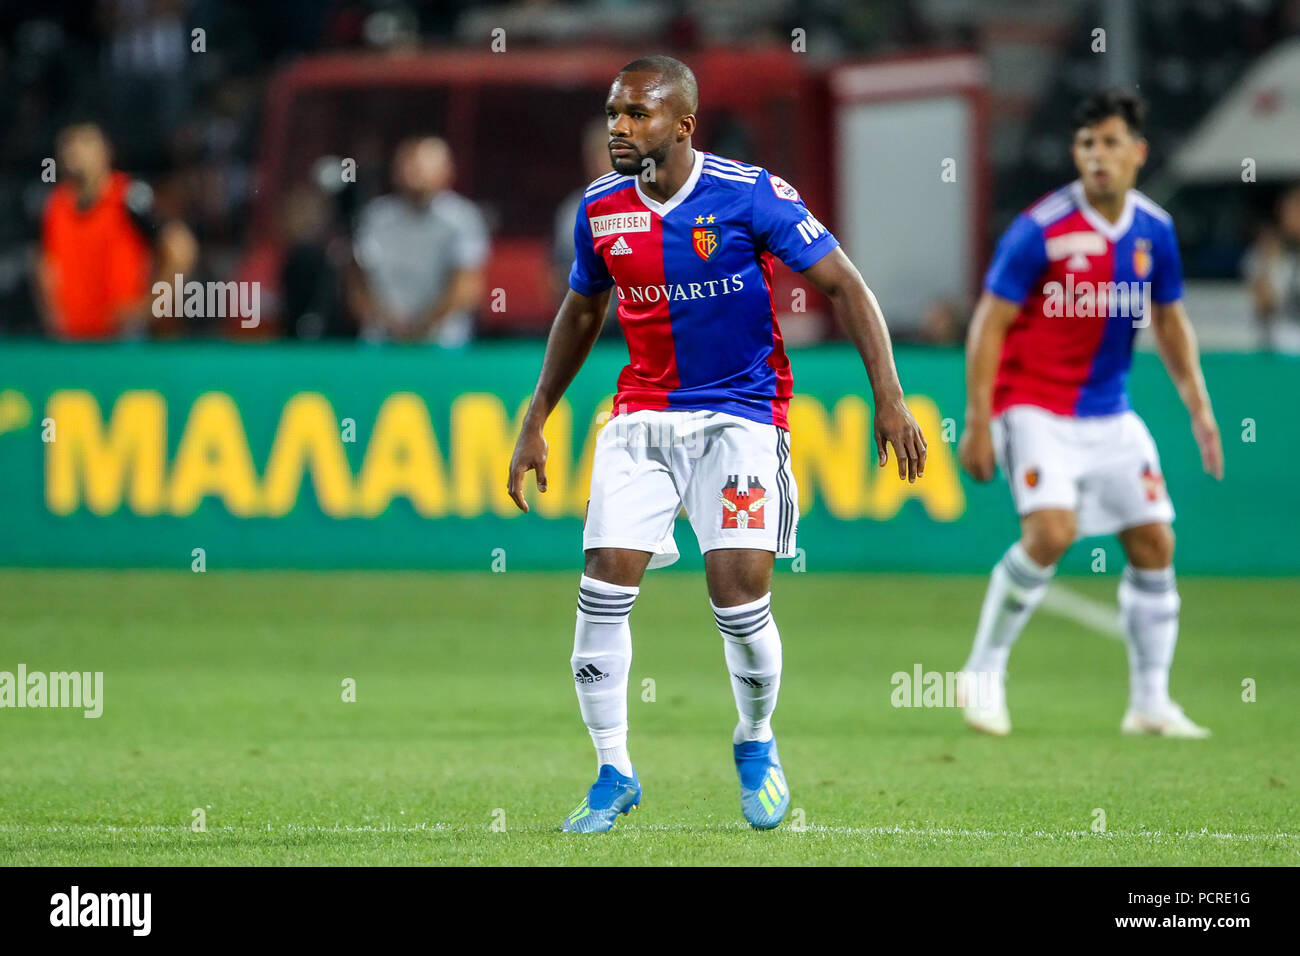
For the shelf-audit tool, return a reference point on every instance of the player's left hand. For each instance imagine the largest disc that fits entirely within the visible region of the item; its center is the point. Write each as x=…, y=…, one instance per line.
x=1206, y=430
x=895, y=426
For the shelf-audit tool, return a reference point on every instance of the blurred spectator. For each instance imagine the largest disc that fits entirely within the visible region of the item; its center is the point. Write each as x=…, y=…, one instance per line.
x=99, y=239
x=147, y=52
x=309, y=287
x=1272, y=268
x=941, y=324
x=419, y=254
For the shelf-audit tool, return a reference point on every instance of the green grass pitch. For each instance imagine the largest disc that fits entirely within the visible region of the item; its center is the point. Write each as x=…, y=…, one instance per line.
x=223, y=692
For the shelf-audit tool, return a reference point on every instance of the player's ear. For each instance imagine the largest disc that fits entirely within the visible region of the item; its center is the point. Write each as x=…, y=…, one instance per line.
x=686, y=126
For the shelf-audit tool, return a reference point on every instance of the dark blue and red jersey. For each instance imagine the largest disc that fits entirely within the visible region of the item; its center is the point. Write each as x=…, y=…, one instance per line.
x=1082, y=283
x=693, y=277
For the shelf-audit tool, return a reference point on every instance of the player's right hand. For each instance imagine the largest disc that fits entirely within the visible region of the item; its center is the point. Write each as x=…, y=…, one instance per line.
x=975, y=452
x=530, y=455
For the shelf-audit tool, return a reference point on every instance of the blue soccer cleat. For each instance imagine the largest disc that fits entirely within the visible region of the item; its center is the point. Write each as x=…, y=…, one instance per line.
x=764, y=797
x=610, y=795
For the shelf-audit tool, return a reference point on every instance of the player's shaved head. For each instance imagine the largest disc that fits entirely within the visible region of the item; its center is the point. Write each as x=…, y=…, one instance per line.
x=678, y=82
x=651, y=114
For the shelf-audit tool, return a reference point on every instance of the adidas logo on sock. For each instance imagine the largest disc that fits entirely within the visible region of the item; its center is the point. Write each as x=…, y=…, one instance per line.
x=750, y=681
x=588, y=675
x=620, y=248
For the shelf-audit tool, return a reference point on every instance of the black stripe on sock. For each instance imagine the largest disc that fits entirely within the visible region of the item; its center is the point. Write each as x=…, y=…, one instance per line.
x=607, y=597
x=746, y=629
x=1019, y=574
x=593, y=612
x=724, y=617
x=1150, y=587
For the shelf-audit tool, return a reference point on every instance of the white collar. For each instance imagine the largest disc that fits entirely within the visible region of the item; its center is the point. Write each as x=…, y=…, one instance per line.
x=1113, y=231
x=677, y=198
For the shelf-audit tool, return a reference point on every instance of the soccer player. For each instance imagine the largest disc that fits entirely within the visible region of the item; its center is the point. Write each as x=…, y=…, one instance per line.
x=1047, y=360
x=687, y=241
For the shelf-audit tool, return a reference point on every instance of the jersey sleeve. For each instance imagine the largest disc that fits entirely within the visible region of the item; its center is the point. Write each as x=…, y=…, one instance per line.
x=588, y=274
x=784, y=226
x=1167, y=276
x=1018, y=261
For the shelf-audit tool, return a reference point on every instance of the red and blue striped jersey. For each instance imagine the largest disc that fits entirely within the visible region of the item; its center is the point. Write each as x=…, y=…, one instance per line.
x=693, y=277
x=1085, y=285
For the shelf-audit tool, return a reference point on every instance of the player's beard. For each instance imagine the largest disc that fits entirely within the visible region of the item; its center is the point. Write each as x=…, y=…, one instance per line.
x=637, y=165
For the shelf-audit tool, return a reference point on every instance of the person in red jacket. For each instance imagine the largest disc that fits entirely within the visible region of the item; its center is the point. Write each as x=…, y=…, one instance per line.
x=101, y=246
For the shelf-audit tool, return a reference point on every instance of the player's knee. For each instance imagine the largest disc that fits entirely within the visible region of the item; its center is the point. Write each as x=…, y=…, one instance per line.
x=737, y=577
x=1151, y=546
x=735, y=593
x=1047, y=540
x=615, y=566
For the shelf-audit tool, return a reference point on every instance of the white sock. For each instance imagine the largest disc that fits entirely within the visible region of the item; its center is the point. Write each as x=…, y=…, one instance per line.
x=751, y=645
x=1016, y=586
x=1148, y=612
x=602, y=657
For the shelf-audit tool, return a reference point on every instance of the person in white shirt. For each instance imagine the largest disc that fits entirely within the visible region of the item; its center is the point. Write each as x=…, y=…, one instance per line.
x=419, y=254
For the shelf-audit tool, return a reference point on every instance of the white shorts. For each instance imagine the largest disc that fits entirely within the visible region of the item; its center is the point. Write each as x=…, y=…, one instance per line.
x=732, y=475
x=1104, y=468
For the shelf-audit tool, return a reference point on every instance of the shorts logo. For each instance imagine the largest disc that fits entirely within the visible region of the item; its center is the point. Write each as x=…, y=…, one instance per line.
x=1031, y=477
x=743, y=509
x=1142, y=260
x=705, y=242
x=1152, y=483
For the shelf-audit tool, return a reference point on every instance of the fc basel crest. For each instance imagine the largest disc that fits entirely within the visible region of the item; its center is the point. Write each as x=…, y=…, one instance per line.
x=705, y=241
x=743, y=509
x=1142, y=260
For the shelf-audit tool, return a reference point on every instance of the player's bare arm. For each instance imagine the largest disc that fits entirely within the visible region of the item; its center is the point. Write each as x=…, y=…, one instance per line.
x=988, y=328
x=577, y=326
x=1176, y=343
x=857, y=309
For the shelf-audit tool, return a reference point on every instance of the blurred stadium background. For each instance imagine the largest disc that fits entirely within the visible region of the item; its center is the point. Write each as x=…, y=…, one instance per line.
x=252, y=142
x=254, y=146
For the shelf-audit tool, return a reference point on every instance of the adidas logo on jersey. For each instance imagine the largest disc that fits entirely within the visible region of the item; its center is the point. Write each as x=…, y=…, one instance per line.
x=620, y=248
x=588, y=675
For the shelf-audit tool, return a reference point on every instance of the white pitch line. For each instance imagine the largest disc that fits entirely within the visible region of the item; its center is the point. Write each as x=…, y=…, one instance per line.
x=1095, y=615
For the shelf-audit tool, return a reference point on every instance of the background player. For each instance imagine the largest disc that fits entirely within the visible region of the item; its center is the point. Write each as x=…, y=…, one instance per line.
x=1048, y=356
x=688, y=239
